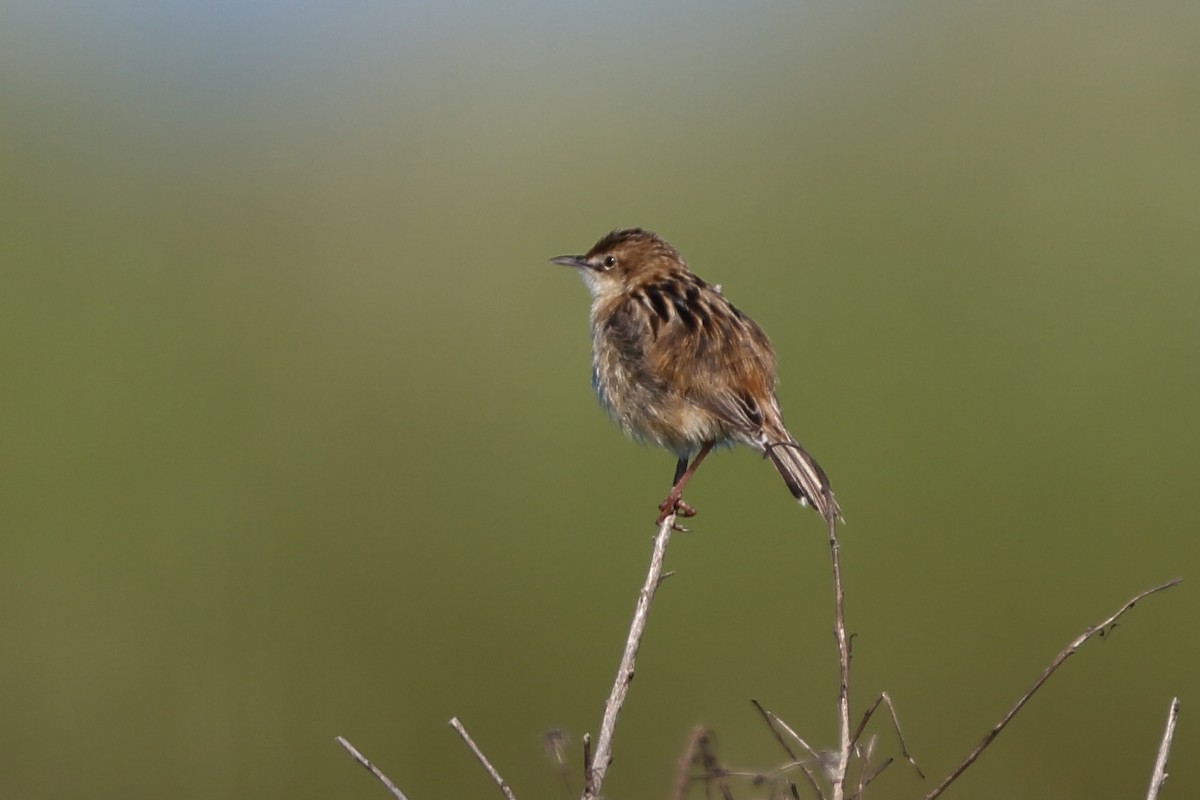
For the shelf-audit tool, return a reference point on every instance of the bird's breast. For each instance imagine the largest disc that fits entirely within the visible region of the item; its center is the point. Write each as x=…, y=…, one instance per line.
x=645, y=399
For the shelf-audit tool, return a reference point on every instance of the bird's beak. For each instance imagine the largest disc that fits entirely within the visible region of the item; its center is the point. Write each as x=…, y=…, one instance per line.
x=579, y=262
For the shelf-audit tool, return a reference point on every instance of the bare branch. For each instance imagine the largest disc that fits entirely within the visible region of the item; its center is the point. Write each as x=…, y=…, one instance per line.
x=700, y=751
x=713, y=771
x=587, y=756
x=686, y=761
x=616, y=698
x=374, y=770
x=772, y=720
x=1160, y=763
x=865, y=782
x=838, y=778
x=864, y=763
x=884, y=697
x=466, y=737
x=1101, y=629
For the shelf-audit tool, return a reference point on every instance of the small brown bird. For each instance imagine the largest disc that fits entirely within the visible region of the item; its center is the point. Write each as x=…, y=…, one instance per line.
x=676, y=364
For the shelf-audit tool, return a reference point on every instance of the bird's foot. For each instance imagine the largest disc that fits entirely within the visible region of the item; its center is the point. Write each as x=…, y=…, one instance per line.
x=674, y=505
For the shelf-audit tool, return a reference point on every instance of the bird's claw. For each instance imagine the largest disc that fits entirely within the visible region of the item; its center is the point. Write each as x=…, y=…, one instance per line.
x=673, y=505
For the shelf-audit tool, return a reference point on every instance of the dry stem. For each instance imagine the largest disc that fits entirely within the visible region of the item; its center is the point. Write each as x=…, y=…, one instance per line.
x=616, y=698
x=682, y=779
x=838, y=778
x=1159, y=775
x=772, y=720
x=1069, y=651
x=886, y=699
x=466, y=737
x=374, y=770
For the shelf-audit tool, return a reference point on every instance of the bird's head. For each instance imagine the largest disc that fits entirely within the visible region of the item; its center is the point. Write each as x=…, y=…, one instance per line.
x=623, y=260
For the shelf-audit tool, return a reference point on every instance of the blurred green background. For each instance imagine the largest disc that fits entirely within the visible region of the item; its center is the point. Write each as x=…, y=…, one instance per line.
x=298, y=438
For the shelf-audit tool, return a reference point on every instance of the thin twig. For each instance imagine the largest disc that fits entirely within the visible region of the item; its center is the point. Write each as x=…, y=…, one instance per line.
x=864, y=763
x=838, y=778
x=712, y=767
x=587, y=756
x=772, y=720
x=616, y=698
x=757, y=777
x=1101, y=628
x=1160, y=762
x=875, y=774
x=686, y=760
x=884, y=697
x=466, y=737
x=374, y=770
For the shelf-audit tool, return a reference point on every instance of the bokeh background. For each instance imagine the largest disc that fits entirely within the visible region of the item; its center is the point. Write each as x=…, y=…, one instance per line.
x=297, y=432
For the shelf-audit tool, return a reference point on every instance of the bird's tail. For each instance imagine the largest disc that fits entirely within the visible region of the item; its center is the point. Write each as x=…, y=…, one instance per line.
x=802, y=474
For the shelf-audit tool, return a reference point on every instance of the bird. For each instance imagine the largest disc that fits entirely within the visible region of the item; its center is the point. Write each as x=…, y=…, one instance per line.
x=675, y=364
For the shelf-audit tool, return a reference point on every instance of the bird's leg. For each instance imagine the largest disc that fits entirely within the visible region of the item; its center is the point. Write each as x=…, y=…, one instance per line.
x=682, y=509
x=673, y=504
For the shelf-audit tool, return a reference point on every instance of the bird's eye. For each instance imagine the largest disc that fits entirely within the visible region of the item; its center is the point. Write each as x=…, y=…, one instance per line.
x=610, y=262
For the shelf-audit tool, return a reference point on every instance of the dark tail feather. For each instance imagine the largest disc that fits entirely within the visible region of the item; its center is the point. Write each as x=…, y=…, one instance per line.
x=803, y=476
